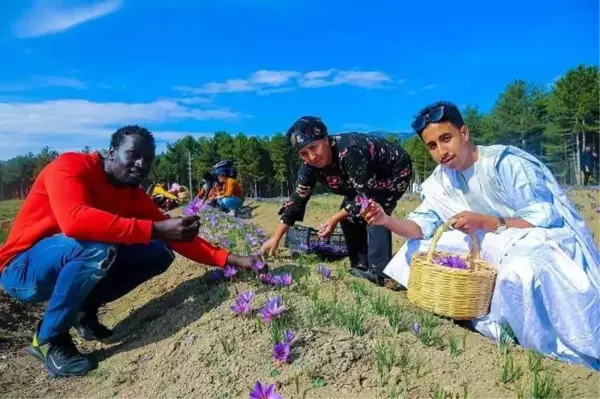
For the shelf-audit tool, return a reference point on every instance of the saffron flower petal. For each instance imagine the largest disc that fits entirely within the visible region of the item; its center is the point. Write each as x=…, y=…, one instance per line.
x=455, y=262
x=262, y=391
x=288, y=336
x=229, y=271
x=324, y=271
x=281, y=352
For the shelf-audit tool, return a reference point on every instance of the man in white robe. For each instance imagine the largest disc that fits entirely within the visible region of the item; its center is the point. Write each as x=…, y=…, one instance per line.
x=548, y=284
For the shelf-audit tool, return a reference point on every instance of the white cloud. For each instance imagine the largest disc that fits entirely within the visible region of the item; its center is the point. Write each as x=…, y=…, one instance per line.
x=316, y=78
x=79, y=116
x=411, y=92
x=49, y=16
x=39, y=82
x=277, y=90
x=429, y=87
x=95, y=139
x=71, y=123
x=272, y=78
x=193, y=100
x=369, y=79
x=266, y=82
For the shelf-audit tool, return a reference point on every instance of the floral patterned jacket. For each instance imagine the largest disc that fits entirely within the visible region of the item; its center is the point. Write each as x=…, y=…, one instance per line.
x=362, y=165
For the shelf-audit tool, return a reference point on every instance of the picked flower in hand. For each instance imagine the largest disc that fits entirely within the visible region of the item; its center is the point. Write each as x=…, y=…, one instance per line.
x=364, y=202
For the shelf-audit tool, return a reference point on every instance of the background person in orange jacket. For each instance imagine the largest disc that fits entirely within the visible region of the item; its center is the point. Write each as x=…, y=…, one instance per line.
x=231, y=197
x=86, y=235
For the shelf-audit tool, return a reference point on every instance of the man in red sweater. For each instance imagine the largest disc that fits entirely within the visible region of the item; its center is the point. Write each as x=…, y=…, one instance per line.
x=86, y=235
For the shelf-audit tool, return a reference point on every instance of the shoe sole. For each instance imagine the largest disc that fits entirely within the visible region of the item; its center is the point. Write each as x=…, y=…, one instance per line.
x=89, y=337
x=52, y=373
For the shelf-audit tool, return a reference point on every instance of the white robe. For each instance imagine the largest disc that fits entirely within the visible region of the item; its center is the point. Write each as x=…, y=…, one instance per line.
x=548, y=283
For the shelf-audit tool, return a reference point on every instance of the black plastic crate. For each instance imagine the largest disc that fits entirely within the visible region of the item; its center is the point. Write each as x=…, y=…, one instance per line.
x=306, y=240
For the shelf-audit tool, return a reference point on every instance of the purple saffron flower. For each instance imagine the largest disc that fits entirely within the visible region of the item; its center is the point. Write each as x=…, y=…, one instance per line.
x=288, y=336
x=229, y=271
x=363, y=201
x=265, y=277
x=275, y=280
x=240, y=307
x=272, y=308
x=261, y=391
x=417, y=328
x=242, y=303
x=251, y=240
x=281, y=352
x=246, y=296
x=597, y=210
x=194, y=207
x=258, y=265
x=286, y=279
x=213, y=220
x=324, y=271
x=451, y=261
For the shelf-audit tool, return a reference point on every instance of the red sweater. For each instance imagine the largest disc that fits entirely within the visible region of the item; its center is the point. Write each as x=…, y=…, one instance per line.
x=72, y=196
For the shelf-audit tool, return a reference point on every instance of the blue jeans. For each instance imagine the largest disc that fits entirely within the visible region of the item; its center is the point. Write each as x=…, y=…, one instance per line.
x=76, y=276
x=230, y=203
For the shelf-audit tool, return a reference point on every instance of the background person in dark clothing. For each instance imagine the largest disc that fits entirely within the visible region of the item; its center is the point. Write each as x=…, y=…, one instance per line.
x=587, y=163
x=357, y=166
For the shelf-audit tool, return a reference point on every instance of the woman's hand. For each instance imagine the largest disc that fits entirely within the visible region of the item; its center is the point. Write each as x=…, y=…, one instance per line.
x=269, y=247
x=375, y=215
x=327, y=228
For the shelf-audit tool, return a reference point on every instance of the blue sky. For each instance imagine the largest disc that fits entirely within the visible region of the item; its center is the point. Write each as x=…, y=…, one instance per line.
x=74, y=70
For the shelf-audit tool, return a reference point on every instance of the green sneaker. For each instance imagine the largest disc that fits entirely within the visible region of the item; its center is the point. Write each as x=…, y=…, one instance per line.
x=61, y=357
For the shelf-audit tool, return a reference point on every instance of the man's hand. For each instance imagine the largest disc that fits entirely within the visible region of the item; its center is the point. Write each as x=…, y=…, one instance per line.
x=176, y=229
x=471, y=222
x=327, y=228
x=246, y=262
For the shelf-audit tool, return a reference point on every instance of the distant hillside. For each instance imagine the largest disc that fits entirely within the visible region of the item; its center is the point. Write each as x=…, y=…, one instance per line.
x=402, y=135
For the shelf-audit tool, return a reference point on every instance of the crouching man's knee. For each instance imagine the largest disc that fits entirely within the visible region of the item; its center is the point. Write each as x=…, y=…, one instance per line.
x=97, y=257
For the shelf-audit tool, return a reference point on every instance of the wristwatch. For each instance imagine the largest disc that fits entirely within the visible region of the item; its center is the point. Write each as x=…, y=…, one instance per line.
x=501, y=226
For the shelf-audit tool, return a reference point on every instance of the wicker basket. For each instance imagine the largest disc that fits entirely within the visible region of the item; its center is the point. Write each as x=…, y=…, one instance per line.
x=461, y=294
x=183, y=193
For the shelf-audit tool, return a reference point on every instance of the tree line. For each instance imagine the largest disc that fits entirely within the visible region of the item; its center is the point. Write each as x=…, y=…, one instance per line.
x=553, y=123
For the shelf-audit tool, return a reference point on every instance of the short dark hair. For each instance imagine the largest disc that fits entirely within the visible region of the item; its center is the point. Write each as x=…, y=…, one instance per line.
x=451, y=115
x=117, y=137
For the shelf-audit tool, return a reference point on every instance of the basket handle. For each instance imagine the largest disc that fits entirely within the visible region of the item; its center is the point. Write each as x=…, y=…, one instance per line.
x=473, y=255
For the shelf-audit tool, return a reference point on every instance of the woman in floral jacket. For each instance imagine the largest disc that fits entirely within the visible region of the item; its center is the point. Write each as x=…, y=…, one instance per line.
x=359, y=167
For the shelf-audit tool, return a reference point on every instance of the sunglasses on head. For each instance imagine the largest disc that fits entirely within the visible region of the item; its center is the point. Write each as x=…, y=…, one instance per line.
x=435, y=115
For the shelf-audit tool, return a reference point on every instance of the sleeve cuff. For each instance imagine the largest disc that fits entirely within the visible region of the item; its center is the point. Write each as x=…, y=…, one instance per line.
x=147, y=227
x=220, y=257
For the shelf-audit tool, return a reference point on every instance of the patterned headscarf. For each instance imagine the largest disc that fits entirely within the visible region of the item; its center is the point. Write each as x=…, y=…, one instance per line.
x=306, y=130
